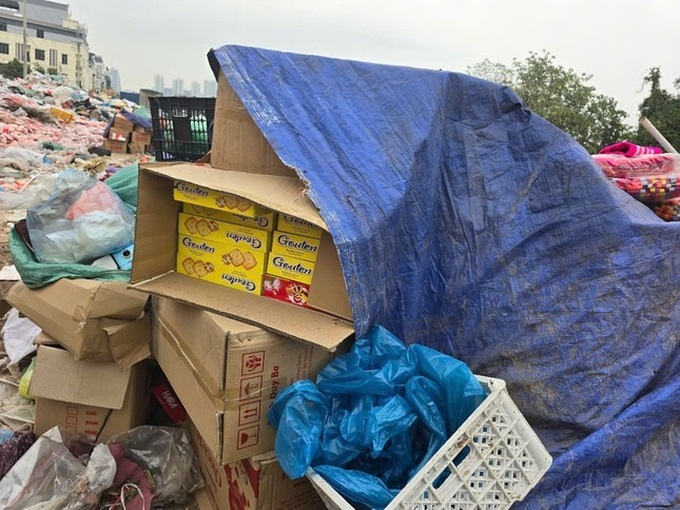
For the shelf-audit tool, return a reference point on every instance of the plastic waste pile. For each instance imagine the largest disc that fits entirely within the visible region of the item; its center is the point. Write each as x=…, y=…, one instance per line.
x=143, y=467
x=47, y=126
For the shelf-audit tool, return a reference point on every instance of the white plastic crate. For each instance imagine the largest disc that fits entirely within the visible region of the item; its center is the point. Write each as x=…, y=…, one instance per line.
x=505, y=460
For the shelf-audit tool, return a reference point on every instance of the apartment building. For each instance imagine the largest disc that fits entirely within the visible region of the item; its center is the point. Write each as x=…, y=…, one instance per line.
x=55, y=42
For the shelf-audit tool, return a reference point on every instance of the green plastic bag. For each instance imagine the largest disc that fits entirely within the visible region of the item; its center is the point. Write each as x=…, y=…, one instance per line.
x=35, y=275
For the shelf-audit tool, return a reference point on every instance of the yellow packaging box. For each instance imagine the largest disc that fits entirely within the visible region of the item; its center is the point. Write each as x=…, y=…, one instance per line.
x=265, y=222
x=292, y=245
x=293, y=225
x=290, y=268
x=253, y=239
x=221, y=263
x=197, y=195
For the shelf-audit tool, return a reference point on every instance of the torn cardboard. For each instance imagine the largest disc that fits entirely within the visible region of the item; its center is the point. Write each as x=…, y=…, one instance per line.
x=237, y=142
x=91, y=319
x=92, y=398
x=256, y=483
x=153, y=269
x=227, y=374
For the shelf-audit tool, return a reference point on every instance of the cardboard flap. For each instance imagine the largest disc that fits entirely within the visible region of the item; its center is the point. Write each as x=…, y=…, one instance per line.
x=130, y=341
x=282, y=194
x=57, y=376
x=44, y=339
x=301, y=324
x=114, y=300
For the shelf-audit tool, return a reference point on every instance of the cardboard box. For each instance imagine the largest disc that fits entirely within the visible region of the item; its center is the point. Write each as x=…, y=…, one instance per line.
x=293, y=245
x=91, y=319
x=92, y=398
x=153, y=269
x=290, y=268
x=227, y=374
x=256, y=483
x=265, y=222
x=246, y=238
x=122, y=123
x=119, y=134
x=237, y=143
x=137, y=148
x=117, y=146
x=185, y=191
x=223, y=264
x=65, y=116
x=285, y=290
x=293, y=225
x=141, y=137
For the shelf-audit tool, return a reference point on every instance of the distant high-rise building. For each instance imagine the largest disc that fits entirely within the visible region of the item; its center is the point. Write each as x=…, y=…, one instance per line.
x=195, y=89
x=178, y=86
x=114, y=76
x=209, y=88
x=167, y=91
x=159, y=83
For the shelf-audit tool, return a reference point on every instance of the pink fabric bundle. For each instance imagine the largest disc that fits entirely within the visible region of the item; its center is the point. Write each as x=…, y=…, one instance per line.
x=629, y=149
x=617, y=165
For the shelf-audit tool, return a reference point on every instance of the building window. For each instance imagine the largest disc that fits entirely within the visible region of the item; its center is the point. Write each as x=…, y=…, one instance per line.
x=64, y=59
x=20, y=52
x=40, y=54
x=3, y=27
x=40, y=33
x=4, y=48
x=53, y=58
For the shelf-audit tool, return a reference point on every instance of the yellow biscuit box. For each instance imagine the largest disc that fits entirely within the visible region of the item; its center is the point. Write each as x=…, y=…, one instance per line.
x=290, y=268
x=221, y=263
x=294, y=225
x=292, y=245
x=252, y=239
x=265, y=222
x=197, y=195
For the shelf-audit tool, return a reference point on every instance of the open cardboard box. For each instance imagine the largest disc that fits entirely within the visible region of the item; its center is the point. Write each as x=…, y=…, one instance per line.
x=93, y=398
x=91, y=319
x=153, y=268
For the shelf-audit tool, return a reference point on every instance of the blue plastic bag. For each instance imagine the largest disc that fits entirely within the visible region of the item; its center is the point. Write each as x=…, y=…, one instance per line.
x=374, y=417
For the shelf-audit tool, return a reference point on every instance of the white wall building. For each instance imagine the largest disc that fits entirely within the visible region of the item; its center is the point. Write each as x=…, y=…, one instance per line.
x=55, y=42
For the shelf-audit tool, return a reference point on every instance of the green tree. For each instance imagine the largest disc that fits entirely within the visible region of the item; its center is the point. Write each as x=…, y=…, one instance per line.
x=13, y=69
x=563, y=97
x=662, y=108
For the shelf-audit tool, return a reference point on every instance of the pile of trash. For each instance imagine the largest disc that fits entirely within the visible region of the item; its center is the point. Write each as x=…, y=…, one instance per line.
x=43, y=109
x=47, y=126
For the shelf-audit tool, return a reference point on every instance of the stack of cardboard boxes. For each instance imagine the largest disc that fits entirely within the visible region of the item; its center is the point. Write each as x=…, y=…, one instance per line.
x=213, y=242
x=90, y=375
x=125, y=136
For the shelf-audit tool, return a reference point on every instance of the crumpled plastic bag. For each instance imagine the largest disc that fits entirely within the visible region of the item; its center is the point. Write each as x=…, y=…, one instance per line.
x=34, y=193
x=49, y=476
x=374, y=417
x=82, y=221
x=167, y=453
x=18, y=334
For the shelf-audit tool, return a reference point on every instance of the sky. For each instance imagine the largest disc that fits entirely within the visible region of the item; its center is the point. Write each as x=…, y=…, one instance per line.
x=616, y=41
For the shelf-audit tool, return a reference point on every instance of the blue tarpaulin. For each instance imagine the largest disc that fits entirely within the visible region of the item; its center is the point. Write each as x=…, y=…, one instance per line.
x=466, y=223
